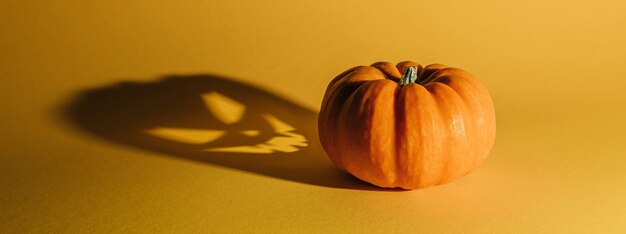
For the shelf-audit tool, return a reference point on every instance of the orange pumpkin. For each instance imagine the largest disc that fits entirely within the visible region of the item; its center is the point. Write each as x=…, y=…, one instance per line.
x=426, y=127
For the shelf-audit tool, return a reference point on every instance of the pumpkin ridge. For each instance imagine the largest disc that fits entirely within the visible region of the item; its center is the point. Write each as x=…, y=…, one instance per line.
x=333, y=86
x=339, y=93
x=442, y=150
x=364, y=151
x=338, y=126
x=336, y=102
x=411, y=159
x=398, y=124
x=384, y=162
x=391, y=71
x=447, y=96
x=447, y=71
x=468, y=99
x=479, y=103
x=430, y=69
x=341, y=76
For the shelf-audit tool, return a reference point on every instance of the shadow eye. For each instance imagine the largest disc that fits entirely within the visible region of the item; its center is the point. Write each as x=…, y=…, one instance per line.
x=224, y=108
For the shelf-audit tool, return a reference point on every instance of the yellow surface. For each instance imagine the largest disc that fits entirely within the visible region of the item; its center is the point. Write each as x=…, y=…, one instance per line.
x=96, y=139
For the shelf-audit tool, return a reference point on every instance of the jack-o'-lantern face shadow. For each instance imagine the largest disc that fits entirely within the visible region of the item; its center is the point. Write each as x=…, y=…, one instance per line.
x=212, y=120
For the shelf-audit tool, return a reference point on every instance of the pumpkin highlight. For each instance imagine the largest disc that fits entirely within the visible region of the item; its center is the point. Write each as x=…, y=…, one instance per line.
x=427, y=127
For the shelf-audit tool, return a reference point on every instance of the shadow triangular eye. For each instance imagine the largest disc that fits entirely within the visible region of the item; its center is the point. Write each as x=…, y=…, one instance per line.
x=223, y=108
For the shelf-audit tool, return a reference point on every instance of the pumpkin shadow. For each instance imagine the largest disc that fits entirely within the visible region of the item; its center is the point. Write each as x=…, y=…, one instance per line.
x=125, y=113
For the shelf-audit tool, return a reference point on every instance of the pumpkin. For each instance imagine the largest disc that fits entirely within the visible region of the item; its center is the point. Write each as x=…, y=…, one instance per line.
x=423, y=127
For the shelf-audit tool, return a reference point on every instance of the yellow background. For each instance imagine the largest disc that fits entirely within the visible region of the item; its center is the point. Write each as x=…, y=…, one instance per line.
x=555, y=69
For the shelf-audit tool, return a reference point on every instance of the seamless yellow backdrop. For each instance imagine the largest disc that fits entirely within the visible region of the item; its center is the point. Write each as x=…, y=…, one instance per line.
x=555, y=70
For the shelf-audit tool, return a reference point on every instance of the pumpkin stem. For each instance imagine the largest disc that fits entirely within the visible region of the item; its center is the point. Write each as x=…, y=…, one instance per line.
x=409, y=76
